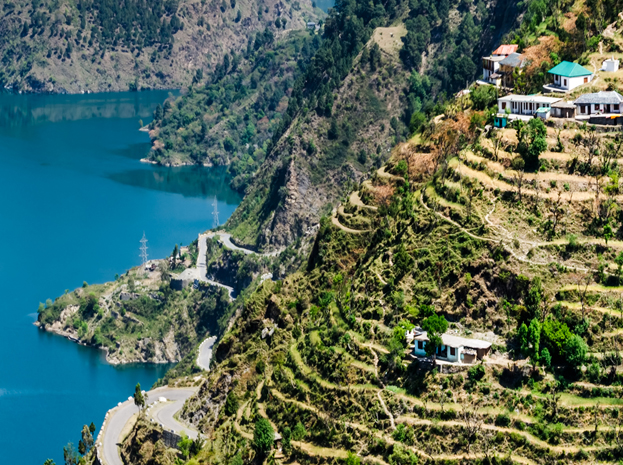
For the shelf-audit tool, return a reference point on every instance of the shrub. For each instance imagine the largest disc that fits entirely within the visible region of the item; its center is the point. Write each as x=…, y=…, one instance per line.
x=503, y=419
x=476, y=373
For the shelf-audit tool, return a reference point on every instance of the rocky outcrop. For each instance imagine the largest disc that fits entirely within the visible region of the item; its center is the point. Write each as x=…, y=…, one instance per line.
x=202, y=410
x=145, y=446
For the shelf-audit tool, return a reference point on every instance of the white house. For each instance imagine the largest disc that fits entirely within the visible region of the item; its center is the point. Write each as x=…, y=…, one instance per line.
x=599, y=103
x=524, y=104
x=454, y=349
x=568, y=76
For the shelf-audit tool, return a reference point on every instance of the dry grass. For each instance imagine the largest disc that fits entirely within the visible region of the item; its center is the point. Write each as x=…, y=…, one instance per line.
x=388, y=38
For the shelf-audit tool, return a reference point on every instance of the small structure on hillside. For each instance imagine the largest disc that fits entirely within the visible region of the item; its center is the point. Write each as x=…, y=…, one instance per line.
x=611, y=65
x=491, y=64
x=568, y=76
x=543, y=113
x=524, y=104
x=454, y=349
x=563, y=109
x=510, y=66
x=311, y=25
x=599, y=103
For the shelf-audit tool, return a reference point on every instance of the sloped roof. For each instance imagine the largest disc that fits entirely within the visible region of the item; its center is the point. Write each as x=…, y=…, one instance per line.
x=505, y=50
x=456, y=341
x=568, y=69
x=602, y=97
x=515, y=60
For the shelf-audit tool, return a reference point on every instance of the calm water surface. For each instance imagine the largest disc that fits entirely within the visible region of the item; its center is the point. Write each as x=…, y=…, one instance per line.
x=74, y=202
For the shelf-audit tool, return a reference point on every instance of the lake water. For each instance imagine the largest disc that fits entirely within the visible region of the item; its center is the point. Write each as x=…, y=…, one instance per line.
x=74, y=203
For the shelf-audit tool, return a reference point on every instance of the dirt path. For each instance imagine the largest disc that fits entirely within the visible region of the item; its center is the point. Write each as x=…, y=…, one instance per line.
x=386, y=410
x=337, y=223
x=496, y=241
x=355, y=200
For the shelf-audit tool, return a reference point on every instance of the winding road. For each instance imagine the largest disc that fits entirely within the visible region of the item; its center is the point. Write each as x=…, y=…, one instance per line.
x=118, y=418
x=205, y=353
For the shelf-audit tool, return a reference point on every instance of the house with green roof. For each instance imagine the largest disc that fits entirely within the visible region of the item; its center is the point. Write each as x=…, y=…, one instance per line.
x=568, y=76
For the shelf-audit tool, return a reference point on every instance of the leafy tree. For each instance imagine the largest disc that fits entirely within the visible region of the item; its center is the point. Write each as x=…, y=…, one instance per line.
x=483, y=97
x=139, y=399
x=435, y=325
x=231, y=404
x=184, y=445
x=522, y=337
x=263, y=436
x=532, y=141
x=534, y=339
x=353, y=459
x=299, y=432
x=575, y=351
x=546, y=358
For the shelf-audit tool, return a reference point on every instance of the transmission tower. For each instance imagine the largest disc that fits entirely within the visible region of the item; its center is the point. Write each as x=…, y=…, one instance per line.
x=216, y=222
x=143, y=248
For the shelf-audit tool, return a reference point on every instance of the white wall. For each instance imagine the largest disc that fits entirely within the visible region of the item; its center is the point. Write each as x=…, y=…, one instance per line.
x=571, y=83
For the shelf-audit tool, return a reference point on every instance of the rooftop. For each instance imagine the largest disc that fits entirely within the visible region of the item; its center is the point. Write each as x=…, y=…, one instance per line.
x=456, y=341
x=529, y=98
x=563, y=104
x=515, y=60
x=602, y=97
x=568, y=69
x=505, y=50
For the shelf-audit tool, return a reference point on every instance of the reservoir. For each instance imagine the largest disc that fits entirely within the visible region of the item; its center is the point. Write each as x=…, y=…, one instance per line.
x=74, y=203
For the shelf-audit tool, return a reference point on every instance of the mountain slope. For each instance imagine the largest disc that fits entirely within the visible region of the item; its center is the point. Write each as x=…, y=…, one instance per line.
x=99, y=45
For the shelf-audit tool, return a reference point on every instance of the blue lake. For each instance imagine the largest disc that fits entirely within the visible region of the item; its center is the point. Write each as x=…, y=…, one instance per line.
x=74, y=203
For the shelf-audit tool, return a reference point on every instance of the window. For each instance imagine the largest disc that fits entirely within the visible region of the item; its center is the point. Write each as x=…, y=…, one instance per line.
x=615, y=107
x=453, y=351
x=420, y=345
x=582, y=109
x=564, y=82
x=503, y=105
x=585, y=80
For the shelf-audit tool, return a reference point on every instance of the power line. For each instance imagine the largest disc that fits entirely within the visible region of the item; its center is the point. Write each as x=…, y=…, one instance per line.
x=143, y=249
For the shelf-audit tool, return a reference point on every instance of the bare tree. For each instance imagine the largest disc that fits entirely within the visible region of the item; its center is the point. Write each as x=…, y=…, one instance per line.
x=472, y=423
x=582, y=293
x=519, y=174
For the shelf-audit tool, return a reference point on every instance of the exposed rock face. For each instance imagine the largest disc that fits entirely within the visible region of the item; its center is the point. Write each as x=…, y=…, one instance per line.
x=144, y=446
x=202, y=410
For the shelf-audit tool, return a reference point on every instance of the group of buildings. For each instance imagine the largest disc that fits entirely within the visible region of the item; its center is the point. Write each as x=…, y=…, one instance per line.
x=505, y=64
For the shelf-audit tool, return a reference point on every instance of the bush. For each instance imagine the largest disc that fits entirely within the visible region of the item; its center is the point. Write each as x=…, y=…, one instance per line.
x=476, y=373
x=503, y=419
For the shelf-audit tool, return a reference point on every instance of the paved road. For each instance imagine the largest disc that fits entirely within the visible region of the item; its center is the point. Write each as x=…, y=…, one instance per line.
x=202, y=269
x=225, y=239
x=205, y=353
x=119, y=417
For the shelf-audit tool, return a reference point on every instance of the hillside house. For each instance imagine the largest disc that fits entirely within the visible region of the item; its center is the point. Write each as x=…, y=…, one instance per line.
x=599, y=103
x=524, y=104
x=610, y=65
x=563, y=109
x=491, y=64
x=568, y=76
x=509, y=66
x=454, y=349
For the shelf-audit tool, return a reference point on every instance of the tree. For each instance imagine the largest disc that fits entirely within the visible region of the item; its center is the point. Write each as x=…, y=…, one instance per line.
x=139, y=399
x=49, y=462
x=87, y=439
x=546, y=358
x=483, y=97
x=184, y=445
x=231, y=404
x=518, y=164
x=299, y=432
x=435, y=325
x=575, y=351
x=263, y=436
x=352, y=459
x=522, y=337
x=70, y=455
x=532, y=142
x=534, y=340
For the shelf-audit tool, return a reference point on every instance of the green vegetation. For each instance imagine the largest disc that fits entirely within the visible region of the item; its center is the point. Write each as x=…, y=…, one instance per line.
x=230, y=119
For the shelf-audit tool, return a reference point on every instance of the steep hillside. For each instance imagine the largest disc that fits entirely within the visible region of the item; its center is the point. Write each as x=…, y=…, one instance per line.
x=362, y=94
x=100, y=45
x=229, y=119
x=439, y=238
